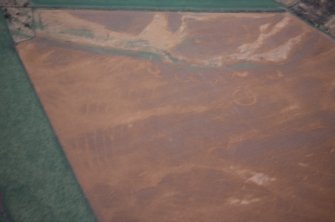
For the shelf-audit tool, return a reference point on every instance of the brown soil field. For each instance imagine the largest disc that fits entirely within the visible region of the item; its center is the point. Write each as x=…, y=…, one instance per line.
x=190, y=117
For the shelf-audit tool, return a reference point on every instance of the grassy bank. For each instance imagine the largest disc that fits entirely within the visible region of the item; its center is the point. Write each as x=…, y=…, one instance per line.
x=197, y=5
x=35, y=179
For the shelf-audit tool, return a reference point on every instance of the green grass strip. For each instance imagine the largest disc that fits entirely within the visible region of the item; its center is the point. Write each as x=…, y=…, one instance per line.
x=35, y=178
x=174, y=5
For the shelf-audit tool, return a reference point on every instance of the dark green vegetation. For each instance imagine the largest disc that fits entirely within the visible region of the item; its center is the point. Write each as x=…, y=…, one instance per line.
x=318, y=12
x=35, y=179
x=207, y=5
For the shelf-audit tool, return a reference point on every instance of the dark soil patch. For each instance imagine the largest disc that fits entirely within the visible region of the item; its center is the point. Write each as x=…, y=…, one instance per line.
x=317, y=12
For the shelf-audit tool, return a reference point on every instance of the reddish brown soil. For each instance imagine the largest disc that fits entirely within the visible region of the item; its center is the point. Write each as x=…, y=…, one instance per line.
x=220, y=117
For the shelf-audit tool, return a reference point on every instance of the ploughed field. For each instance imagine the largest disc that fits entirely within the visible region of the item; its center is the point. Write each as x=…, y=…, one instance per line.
x=168, y=116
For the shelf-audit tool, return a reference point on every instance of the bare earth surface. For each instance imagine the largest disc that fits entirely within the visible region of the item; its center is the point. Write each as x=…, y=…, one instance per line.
x=191, y=117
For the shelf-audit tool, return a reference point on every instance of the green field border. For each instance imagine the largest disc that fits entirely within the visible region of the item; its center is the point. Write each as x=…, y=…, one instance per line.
x=36, y=180
x=167, y=5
